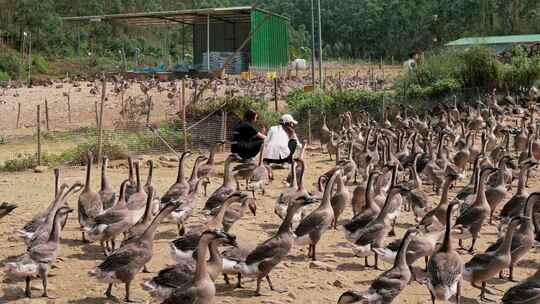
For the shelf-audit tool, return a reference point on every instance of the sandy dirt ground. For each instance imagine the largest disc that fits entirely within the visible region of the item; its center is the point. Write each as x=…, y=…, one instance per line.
x=70, y=282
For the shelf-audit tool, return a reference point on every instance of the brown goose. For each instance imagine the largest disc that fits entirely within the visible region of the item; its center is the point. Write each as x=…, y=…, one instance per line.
x=89, y=205
x=111, y=223
x=374, y=233
x=137, y=200
x=168, y=279
x=495, y=194
x=123, y=264
x=182, y=248
x=470, y=221
x=194, y=178
x=236, y=211
x=131, y=187
x=340, y=199
x=437, y=217
x=39, y=257
x=514, y=206
x=389, y=284
x=527, y=292
x=270, y=253
x=181, y=186
x=313, y=226
x=260, y=177
x=226, y=189
x=156, y=200
x=208, y=170
x=367, y=214
x=106, y=192
x=297, y=189
x=30, y=228
x=523, y=239
x=484, y=266
x=445, y=267
x=200, y=290
x=359, y=193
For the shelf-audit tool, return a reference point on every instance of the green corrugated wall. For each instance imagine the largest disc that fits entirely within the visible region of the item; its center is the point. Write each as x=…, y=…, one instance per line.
x=270, y=45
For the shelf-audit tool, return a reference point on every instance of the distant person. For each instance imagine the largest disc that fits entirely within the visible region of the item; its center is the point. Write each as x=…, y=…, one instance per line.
x=247, y=139
x=281, y=142
x=410, y=64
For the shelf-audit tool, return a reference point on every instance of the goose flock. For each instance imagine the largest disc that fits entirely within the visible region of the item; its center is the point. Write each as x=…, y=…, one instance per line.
x=448, y=181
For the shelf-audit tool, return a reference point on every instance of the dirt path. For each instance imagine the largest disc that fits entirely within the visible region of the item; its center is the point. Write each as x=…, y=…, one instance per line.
x=72, y=284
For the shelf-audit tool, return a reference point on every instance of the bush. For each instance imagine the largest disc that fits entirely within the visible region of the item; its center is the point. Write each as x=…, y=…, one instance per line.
x=522, y=72
x=40, y=64
x=3, y=140
x=10, y=63
x=4, y=77
x=479, y=68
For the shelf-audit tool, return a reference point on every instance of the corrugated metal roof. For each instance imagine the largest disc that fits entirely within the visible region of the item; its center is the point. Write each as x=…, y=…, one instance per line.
x=238, y=14
x=515, y=39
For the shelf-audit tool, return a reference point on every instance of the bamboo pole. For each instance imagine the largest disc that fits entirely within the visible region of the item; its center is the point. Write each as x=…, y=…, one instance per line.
x=18, y=114
x=38, y=136
x=309, y=126
x=47, y=114
x=69, y=107
x=100, y=120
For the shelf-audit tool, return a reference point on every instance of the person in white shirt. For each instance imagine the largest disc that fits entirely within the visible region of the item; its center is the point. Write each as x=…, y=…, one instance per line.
x=281, y=142
x=410, y=64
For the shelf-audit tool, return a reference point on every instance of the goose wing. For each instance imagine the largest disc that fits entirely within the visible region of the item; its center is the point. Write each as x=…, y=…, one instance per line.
x=445, y=268
x=175, y=276
x=369, y=234
x=314, y=221
x=470, y=216
x=111, y=217
x=526, y=292
x=44, y=253
x=187, y=242
x=480, y=261
x=122, y=257
x=183, y=295
x=272, y=248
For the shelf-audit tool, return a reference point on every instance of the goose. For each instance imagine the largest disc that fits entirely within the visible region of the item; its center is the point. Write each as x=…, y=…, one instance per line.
x=181, y=185
x=526, y=292
x=290, y=194
x=389, y=284
x=131, y=187
x=325, y=132
x=339, y=199
x=437, y=217
x=273, y=251
x=445, y=267
x=123, y=264
x=260, y=177
x=514, y=206
x=233, y=257
x=29, y=228
x=106, y=192
x=156, y=200
x=373, y=234
x=394, y=208
x=523, y=239
x=469, y=223
x=359, y=193
x=39, y=257
x=89, y=205
x=182, y=248
x=161, y=286
x=208, y=170
x=200, y=289
x=181, y=214
x=135, y=230
x=416, y=197
x=194, y=178
x=422, y=245
x=111, y=223
x=367, y=214
x=313, y=226
x=221, y=194
x=6, y=208
x=137, y=200
x=486, y=265
x=495, y=194
x=236, y=211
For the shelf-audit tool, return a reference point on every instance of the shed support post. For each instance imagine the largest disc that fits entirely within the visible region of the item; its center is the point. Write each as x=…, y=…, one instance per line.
x=208, y=42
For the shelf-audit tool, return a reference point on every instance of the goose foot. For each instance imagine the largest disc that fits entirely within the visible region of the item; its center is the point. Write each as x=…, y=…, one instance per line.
x=27, y=290
x=108, y=293
x=48, y=295
x=145, y=270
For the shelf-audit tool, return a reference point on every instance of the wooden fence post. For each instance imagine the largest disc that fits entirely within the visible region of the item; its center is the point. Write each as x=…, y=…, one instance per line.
x=18, y=114
x=309, y=126
x=69, y=106
x=100, y=124
x=47, y=114
x=184, y=123
x=38, y=136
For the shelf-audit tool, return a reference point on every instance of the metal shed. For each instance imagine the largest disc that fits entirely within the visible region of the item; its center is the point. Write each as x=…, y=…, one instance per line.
x=218, y=33
x=500, y=44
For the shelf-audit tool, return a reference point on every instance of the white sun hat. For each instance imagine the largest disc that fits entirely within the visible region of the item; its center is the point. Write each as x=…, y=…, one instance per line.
x=287, y=118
